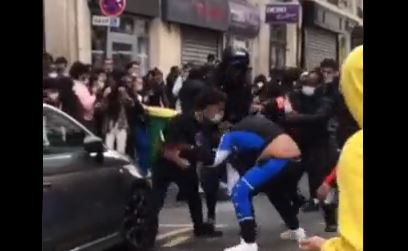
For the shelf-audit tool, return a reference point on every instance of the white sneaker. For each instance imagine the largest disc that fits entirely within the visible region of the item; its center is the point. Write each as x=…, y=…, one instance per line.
x=243, y=246
x=294, y=235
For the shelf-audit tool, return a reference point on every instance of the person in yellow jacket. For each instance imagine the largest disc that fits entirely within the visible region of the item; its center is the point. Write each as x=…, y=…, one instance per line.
x=350, y=167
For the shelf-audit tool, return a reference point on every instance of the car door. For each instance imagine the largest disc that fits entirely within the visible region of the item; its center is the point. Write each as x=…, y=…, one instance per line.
x=79, y=194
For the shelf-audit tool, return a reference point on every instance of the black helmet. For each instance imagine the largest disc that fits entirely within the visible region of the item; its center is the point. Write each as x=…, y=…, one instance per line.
x=235, y=56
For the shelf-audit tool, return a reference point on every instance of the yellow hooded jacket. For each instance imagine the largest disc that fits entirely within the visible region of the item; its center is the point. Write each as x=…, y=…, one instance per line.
x=350, y=166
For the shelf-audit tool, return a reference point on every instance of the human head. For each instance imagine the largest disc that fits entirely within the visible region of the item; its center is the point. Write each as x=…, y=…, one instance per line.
x=314, y=79
x=210, y=105
x=235, y=62
x=61, y=63
x=259, y=82
x=52, y=71
x=195, y=73
x=80, y=72
x=329, y=69
x=108, y=65
x=157, y=75
x=175, y=70
x=133, y=69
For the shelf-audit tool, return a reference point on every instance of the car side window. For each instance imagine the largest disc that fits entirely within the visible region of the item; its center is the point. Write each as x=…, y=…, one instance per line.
x=60, y=134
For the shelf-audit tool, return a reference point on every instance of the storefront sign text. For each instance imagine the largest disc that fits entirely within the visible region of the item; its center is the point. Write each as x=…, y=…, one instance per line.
x=106, y=21
x=282, y=13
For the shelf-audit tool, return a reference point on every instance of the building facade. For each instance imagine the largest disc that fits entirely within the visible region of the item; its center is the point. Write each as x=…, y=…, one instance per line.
x=327, y=28
x=164, y=33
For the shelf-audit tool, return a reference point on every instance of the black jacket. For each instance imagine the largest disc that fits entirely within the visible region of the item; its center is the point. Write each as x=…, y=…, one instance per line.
x=313, y=116
x=188, y=94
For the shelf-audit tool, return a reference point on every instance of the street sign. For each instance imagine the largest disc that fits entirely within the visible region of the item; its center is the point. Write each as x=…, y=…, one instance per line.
x=106, y=21
x=112, y=8
x=282, y=13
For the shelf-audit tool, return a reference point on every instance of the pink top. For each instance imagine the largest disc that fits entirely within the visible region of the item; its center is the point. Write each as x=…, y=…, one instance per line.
x=86, y=99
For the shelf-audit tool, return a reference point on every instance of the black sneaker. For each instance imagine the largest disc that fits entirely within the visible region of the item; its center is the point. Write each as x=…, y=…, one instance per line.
x=331, y=228
x=310, y=206
x=207, y=230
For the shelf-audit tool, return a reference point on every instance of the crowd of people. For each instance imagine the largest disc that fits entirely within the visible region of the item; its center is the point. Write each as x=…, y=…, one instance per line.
x=257, y=136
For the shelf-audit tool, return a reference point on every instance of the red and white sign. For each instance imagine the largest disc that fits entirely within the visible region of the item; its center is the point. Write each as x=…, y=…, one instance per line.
x=112, y=8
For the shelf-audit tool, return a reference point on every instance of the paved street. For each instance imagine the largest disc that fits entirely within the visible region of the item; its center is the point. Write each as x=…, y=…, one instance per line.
x=176, y=231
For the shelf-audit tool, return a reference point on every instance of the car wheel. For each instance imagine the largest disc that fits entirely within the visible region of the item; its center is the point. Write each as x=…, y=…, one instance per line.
x=140, y=225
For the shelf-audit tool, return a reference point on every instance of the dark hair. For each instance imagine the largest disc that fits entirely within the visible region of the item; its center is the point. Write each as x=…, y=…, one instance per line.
x=260, y=78
x=61, y=60
x=210, y=57
x=48, y=57
x=318, y=73
x=195, y=73
x=130, y=64
x=209, y=96
x=156, y=72
x=329, y=63
x=78, y=69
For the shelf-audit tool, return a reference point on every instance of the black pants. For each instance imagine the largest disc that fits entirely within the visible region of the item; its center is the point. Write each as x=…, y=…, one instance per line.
x=283, y=194
x=166, y=172
x=210, y=182
x=317, y=162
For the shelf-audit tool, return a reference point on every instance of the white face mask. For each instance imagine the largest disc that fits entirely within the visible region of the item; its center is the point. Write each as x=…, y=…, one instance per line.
x=260, y=85
x=308, y=90
x=217, y=118
x=54, y=95
x=53, y=75
x=329, y=79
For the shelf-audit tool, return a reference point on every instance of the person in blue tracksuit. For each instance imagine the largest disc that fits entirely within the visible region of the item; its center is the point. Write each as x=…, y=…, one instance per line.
x=275, y=151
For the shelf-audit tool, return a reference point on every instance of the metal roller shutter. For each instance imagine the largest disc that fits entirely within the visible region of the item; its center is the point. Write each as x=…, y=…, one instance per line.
x=319, y=44
x=197, y=44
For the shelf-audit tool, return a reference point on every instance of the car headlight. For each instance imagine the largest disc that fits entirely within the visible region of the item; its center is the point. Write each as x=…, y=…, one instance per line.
x=134, y=171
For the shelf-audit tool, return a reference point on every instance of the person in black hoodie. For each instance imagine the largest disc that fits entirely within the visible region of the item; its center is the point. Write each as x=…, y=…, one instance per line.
x=170, y=81
x=231, y=76
x=311, y=113
x=192, y=87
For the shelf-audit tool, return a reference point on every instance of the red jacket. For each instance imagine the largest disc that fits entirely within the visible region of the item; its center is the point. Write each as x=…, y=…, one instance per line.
x=331, y=179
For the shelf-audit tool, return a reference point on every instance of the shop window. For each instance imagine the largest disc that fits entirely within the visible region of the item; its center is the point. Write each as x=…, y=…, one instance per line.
x=127, y=42
x=278, y=45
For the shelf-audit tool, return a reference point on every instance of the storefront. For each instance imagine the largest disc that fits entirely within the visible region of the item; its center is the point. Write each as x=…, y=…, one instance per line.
x=244, y=24
x=201, y=23
x=322, y=30
x=125, y=38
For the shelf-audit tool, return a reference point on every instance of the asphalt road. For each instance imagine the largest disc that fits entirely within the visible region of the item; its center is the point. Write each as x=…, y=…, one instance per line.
x=175, y=232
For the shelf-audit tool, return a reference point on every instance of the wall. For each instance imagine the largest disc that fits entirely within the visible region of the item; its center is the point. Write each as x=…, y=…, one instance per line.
x=62, y=36
x=261, y=44
x=165, y=45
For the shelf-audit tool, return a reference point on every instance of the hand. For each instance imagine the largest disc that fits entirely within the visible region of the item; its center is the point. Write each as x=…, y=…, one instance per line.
x=107, y=92
x=225, y=126
x=312, y=244
x=323, y=191
x=292, y=115
x=183, y=163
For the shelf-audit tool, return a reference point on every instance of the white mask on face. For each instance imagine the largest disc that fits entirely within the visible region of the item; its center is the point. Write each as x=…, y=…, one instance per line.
x=217, y=118
x=308, y=90
x=53, y=75
x=329, y=79
x=260, y=85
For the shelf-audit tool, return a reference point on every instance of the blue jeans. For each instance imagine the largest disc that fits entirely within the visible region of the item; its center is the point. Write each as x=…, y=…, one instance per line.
x=142, y=147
